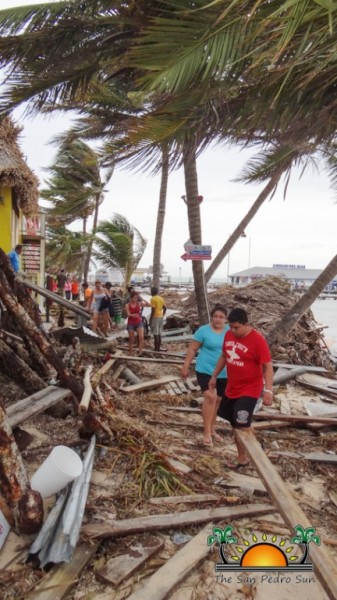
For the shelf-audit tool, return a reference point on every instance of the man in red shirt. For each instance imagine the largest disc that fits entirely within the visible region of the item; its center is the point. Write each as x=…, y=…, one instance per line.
x=246, y=356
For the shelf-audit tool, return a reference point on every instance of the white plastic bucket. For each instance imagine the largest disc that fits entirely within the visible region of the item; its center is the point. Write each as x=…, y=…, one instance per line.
x=60, y=467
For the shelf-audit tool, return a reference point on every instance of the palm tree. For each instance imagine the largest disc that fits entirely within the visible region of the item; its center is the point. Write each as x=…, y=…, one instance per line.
x=120, y=246
x=63, y=248
x=222, y=537
x=76, y=187
x=305, y=536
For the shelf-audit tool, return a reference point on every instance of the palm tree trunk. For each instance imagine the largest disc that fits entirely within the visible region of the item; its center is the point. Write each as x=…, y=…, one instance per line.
x=269, y=188
x=160, y=217
x=194, y=224
x=90, y=244
x=284, y=325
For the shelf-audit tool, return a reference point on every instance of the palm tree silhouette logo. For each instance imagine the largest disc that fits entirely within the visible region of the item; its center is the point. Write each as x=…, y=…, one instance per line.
x=263, y=555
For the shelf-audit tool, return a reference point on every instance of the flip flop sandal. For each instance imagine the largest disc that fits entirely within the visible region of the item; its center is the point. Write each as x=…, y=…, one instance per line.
x=236, y=466
x=208, y=443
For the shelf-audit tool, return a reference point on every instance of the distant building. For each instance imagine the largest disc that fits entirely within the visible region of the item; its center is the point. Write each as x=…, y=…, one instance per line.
x=297, y=275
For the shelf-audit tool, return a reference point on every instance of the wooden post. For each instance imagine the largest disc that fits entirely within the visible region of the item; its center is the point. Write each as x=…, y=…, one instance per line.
x=325, y=566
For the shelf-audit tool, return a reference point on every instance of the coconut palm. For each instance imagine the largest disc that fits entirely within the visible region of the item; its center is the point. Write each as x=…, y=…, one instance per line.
x=76, y=187
x=120, y=246
x=63, y=248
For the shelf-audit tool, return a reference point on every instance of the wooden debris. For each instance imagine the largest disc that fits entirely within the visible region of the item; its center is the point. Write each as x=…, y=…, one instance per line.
x=297, y=418
x=106, y=367
x=179, y=466
x=321, y=457
x=174, y=520
x=36, y=403
x=325, y=567
x=57, y=584
x=147, y=385
x=120, y=567
x=191, y=499
x=175, y=570
x=86, y=397
x=248, y=483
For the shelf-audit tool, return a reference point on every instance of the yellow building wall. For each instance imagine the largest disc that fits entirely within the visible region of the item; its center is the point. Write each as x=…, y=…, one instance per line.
x=6, y=219
x=9, y=233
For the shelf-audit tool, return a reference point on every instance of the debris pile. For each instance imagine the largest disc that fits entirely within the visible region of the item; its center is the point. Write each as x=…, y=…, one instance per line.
x=266, y=301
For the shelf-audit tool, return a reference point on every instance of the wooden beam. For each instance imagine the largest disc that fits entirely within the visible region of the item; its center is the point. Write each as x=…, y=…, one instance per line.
x=171, y=521
x=154, y=360
x=325, y=566
x=79, y=310
x=162, y=583
x=36, y=403
x=146, y=385
x=296, y=418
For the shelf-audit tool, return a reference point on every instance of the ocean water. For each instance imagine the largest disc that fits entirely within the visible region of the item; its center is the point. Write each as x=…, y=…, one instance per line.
x=325, y=313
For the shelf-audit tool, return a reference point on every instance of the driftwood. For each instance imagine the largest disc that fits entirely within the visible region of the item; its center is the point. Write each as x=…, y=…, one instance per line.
x=103, y=370
x=171, y=521
x=25, y=504
x=325, y=567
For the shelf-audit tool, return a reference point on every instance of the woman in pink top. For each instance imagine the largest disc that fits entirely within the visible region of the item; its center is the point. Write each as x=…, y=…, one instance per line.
x=135, y=323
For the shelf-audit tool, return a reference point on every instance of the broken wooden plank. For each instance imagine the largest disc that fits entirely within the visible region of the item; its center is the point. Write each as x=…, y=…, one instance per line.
x=245, y=482
x=36, y=403
x=322, y=384
x=179, y=466
x=106, y=367
x=120, y=567
x=146, y=385
x=57, y=584
x=191, y=385
x=190, y=499
x=182, y=386
x=118, y=372
x=162, y=583
x=151, y=360
x=321, y=457
x=171, y=521
x=296, y=418
x=325, y=566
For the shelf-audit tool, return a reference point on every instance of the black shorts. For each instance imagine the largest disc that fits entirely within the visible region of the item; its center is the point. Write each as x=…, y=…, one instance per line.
x=203, y=380
x=238, y=411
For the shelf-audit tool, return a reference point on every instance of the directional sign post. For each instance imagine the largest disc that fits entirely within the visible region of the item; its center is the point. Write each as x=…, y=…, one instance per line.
x=197, y=252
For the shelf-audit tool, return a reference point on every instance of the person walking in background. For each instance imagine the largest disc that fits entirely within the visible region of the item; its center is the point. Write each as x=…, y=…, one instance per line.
x=246, y=355
x=14, y=257
x=99, y=294
x=158, y=310
x=117, y=305
x=67, y=288
x=208, y=342
x=61, y=279
x=87, y=293
x=75, y=288
x=133, y=310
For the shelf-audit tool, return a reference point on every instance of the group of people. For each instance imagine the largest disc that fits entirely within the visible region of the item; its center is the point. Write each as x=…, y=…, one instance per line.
x=234, y=369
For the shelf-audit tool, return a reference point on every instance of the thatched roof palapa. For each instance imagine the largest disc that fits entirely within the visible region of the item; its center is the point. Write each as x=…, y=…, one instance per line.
x=14, y=171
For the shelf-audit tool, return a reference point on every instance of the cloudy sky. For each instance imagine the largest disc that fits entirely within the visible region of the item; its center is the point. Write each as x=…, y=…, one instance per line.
x=299, y=230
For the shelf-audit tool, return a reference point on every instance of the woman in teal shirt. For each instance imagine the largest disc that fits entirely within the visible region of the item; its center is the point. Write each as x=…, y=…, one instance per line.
x=208, y=342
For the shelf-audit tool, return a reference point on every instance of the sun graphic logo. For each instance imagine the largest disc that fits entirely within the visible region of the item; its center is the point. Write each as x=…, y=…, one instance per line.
x=259, y=554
